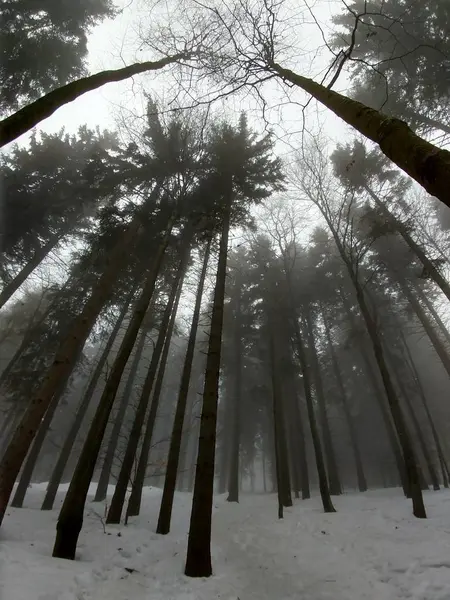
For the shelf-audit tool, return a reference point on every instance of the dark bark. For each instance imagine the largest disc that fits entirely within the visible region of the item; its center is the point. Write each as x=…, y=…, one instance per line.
x=165, y=512
x=64, y=455
x=70, y=519
x=198, y=561
x=428, y=164
x=28, y=117
x=103, y=481
x=65, y=359
x=330, y=455
x=361, y=478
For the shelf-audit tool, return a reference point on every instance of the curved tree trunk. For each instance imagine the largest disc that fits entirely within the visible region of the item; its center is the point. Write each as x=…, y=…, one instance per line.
x=165, y=511
x=64, y=455
x=70, y=518
x=123, y=480
x=198, y=560
x=102, y=486
x=361, y=478
x=63, y=364
x=424, y=162
x=330, y=455
x=28, y=117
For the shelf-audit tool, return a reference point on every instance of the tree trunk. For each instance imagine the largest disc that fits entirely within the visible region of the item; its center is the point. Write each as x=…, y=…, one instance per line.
x=63, y=364
x=320, y=463
x=102, y=486
x=361, y=478
x=279, y=433
x=165, y=512
x=159, y=357
x=64, y=455
x=134, y=502
x=70, y=518
x=442, y=459
x=330, y=455
x=428, y=265
x=304, y=469
x=423, y=298
x=414, y=487
x=198, y=561
x=26, y=271
x=233, y=478
x=424, y=162
x=33, y=455
x=28, y=117
x=379, y=396
x=426, y=324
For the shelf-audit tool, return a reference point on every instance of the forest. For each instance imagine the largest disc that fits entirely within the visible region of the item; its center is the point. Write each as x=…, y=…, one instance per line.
x=225, y=335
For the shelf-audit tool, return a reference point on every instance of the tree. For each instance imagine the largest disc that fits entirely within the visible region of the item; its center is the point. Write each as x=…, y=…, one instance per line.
x=242, y=168
x=54, y=37
x=165, y=513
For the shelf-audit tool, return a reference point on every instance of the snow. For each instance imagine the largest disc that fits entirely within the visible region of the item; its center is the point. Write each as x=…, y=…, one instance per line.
x=371, y=549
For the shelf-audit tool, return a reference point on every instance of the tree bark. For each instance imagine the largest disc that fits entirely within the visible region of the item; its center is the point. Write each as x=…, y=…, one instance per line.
x=28, y=117
x=102, y=486
x=330, y=455
x=198, y=561
x=165, y=512
x=361, y=478
x=424, y=162
x=124, y=478
x=423, y=298
x=64, y=455
x=70, y=518
x=63, y=364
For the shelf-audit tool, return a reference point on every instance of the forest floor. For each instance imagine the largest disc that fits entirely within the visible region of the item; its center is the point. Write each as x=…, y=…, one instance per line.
x=371, y=549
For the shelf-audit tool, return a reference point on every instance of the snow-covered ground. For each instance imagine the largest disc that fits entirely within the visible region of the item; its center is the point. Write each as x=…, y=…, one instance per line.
x=371, y=549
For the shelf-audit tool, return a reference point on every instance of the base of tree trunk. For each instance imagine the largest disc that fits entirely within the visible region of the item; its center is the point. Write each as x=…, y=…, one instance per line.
x=198, y=565
x=66, y=539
